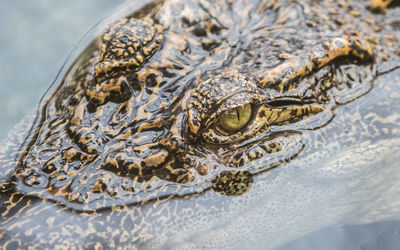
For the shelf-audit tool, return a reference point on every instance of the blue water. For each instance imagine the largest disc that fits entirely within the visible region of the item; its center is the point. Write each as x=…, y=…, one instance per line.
x=35, y=39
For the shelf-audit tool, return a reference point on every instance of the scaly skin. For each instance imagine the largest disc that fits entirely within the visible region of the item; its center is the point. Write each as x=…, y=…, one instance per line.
x=133, y=136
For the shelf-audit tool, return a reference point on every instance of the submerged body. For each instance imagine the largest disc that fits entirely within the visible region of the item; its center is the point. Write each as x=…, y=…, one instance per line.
x=162, y=131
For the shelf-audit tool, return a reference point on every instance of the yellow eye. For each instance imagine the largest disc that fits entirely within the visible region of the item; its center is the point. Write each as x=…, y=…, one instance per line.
x=235, y=119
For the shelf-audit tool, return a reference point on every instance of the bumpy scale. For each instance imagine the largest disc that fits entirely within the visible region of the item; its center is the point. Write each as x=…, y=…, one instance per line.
x=184, y=97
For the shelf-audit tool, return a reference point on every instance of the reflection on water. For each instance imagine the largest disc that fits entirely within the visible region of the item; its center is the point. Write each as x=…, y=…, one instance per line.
x=35, y=43
x=35, y=40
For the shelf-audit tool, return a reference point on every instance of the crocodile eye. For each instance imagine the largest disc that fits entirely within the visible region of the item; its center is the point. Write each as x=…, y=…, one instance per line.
x=233, y=120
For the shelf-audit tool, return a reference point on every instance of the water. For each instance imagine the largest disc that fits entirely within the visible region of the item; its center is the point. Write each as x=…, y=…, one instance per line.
x=36, y=37
x=381, y=235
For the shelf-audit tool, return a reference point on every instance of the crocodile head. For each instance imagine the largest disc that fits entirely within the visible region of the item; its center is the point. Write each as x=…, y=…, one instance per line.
x=190, y=97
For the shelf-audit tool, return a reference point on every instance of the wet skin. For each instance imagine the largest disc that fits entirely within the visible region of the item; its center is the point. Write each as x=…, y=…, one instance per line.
x=168, y=104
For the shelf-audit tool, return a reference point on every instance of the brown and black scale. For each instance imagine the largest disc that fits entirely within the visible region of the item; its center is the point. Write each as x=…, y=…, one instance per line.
x=132, y=127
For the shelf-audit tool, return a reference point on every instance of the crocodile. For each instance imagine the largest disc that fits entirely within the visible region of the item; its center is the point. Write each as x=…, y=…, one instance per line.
x=179, y=116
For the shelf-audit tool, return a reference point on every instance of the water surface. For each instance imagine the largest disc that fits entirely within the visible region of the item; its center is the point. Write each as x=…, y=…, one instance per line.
x=36, y=38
